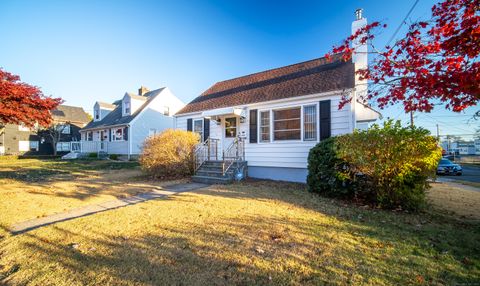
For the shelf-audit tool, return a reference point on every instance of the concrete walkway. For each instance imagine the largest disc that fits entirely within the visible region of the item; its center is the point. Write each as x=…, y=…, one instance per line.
x=105, y=206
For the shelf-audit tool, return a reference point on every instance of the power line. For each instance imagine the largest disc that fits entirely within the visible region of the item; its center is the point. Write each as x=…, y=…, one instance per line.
x=403, y=22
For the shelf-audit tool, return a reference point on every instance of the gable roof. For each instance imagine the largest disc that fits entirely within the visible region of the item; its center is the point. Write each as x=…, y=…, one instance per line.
x=66, y=113
x=115, y=116
x=310, y=77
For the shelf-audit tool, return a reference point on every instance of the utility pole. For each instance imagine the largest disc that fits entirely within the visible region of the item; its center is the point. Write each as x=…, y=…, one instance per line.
x=438, y=133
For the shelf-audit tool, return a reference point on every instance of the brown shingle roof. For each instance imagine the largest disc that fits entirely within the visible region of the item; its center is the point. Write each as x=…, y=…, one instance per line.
x=314, y=76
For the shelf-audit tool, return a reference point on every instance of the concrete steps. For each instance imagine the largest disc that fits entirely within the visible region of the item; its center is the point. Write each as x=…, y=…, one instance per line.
x=211, y=172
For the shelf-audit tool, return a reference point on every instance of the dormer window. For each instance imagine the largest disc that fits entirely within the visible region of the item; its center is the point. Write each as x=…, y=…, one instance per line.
x=127, y=107
x=97, y=116
x=166, y=111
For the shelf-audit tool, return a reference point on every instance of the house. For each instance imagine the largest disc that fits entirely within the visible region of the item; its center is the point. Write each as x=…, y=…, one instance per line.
x=268, y=121
x=121, y=127
x=67, y=120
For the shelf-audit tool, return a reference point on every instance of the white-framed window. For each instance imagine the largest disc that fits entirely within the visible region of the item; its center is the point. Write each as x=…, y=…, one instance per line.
x=198, y=127
x=287, y=124
x=65, y=128
x=310, y=122
x=33, y=145
x=22, y=127
x=231, y=127
x=265, y=126
x=117, y=134
x=152, y=132
x=127, y=107
x=96, y=114
x=90, y=136
x=63, y=146
x=166, y=111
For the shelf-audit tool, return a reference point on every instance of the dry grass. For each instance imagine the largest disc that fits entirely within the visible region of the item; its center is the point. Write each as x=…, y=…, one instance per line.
x=456, y=200
x=253, y=233
x=33, y=188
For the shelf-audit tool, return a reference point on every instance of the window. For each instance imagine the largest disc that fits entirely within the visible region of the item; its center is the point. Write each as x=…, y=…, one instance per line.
x=97, y=114
x=198, y=127
x=127, y=107
x=152, y=132
x=265, y=126
x=310, y=123
x=33, y=145
x=23, y=146
x=231, y=127
x=63, y=146
x=90, y=136
x=117, y=134
x=65, y=128
x=286, y=124
x=23, y=128
x=166, y=111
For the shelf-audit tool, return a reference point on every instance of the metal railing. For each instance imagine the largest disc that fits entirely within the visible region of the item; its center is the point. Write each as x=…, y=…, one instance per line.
x=205, y=151
x=234, y=153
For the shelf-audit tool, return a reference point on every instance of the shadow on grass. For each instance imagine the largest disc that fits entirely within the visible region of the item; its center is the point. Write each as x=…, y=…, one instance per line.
x=343, y=245
x=254, y=250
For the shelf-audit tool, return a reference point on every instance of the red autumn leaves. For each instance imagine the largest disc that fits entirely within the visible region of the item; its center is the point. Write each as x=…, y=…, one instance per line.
x=436, y=61
x=21, y=103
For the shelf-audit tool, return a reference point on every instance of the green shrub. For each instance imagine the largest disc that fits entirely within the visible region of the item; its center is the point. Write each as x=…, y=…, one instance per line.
x=169, y=154
x=92, y=155
x=113, y=156
x=387, y=166
x=327, y=173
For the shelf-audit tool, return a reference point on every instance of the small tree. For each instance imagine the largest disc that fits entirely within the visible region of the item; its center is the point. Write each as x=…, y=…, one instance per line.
x=53, y=133
x=21, y=103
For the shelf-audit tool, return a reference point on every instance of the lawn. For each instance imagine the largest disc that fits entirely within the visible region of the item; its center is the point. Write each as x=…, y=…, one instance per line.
x=254, y=232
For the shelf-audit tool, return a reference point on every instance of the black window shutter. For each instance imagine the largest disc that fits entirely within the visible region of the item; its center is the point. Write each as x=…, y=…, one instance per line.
x=253, y=126
x=109, y=134
x=325, y=119
x=125, y=133
x=206, y=128
x=189, y=124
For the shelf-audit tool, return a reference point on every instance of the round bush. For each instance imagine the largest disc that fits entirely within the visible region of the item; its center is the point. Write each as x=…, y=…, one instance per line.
x=169, y=154
x=388, y=166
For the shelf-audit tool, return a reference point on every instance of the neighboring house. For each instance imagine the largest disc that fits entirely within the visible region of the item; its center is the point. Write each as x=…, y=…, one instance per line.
x=121, y=127
x=270, y=120
x=18, y=139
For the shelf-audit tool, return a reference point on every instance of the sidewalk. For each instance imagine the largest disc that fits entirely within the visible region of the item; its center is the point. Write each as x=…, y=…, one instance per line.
x=101, y=207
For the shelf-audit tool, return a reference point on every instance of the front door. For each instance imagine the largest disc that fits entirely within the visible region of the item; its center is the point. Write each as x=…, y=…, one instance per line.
x=230, y=131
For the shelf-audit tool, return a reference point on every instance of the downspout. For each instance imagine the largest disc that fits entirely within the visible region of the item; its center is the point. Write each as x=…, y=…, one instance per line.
x=129, y=141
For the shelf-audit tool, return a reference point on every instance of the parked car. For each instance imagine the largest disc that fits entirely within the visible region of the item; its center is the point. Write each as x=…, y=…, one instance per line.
x=447, y=167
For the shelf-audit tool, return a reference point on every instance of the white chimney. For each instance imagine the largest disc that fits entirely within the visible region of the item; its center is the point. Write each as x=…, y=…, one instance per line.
x=359, y=57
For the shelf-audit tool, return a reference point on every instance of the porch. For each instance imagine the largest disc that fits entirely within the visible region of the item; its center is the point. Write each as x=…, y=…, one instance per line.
x=107, y=147
x=214, y=166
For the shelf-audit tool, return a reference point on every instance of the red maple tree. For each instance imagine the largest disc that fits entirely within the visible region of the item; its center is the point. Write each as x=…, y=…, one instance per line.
x=436, y=61
x=21, y=103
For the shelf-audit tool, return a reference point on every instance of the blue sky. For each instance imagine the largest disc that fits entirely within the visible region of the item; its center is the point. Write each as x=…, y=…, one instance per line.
x=85, y=51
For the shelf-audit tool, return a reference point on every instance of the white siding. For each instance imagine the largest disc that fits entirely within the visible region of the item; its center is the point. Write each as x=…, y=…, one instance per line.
x=152, y=117
x=293, y=154
x=288, y=154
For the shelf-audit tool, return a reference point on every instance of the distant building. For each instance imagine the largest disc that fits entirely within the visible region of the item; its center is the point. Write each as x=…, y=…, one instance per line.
x=19, y=140
x=122, y=126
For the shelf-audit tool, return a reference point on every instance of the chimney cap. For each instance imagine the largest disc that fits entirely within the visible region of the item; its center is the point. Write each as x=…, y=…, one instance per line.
x=359, y=13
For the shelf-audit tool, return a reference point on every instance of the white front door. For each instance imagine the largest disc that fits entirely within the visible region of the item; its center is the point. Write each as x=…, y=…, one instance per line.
x=229, y=130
